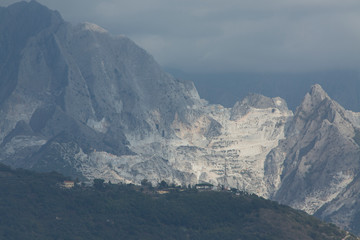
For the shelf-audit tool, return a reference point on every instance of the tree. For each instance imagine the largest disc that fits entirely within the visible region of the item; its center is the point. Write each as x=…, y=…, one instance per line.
x=146, y=183
x=98, y=183
x=163, y=184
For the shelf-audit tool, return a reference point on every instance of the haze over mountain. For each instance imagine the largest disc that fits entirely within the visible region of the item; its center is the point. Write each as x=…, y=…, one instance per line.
x=227, y=88
x=80, y=101
x=231, y=36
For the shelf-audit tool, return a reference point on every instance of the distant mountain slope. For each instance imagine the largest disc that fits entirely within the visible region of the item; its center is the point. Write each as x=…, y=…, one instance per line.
x=38, y=208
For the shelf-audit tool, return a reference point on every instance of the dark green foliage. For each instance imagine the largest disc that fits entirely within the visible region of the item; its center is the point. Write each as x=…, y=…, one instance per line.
x=98, y=183
x=163, y=184
x=146, y=183
x=34, y=206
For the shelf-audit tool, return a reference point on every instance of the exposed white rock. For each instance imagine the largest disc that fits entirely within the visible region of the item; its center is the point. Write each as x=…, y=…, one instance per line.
x=232, y=155
x=20, y=142
x=100, y=126
x=317, y=199
x=93, y=27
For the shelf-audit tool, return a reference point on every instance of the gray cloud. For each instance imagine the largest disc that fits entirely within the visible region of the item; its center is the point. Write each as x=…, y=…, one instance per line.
x=231, y=35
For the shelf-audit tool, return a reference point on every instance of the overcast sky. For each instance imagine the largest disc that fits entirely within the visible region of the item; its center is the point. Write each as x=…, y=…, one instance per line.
x=231, y=35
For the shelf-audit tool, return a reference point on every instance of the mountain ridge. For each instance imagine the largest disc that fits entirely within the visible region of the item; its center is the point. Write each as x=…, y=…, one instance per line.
x=321, y=159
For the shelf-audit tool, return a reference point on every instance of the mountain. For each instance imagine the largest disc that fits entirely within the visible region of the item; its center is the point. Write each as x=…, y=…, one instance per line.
x=93, y=105
x=67, y=89
x=38, y=205
x=90, y=105
x=319, y=161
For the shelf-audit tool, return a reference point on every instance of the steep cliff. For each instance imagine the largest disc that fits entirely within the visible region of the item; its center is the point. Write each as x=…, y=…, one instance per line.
x=319, y=160
x=77, y=86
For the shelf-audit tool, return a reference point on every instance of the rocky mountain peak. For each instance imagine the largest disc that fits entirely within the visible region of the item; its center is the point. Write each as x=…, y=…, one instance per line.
x=92, y=27
x=317, y=90
x=18, y=24
x=313, y=98
x=31, y=12
x=257, y=101
x=316, y=107
x=319, y=158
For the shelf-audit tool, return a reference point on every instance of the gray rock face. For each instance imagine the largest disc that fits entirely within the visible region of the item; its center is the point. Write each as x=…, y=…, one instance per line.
x=319, y=160
x=256, y=101
x=79, y=82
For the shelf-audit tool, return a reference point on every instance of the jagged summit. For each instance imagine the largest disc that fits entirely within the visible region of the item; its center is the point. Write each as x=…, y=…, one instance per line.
x=319, y=159
x=27, y=9
x=317, y=90
x=18, y=24
x=317, y=106
x=257, y=101
x=92, y=27
x=313, y=98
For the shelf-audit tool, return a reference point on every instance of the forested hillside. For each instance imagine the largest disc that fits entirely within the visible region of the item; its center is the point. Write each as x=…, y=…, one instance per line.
x=35, y=206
